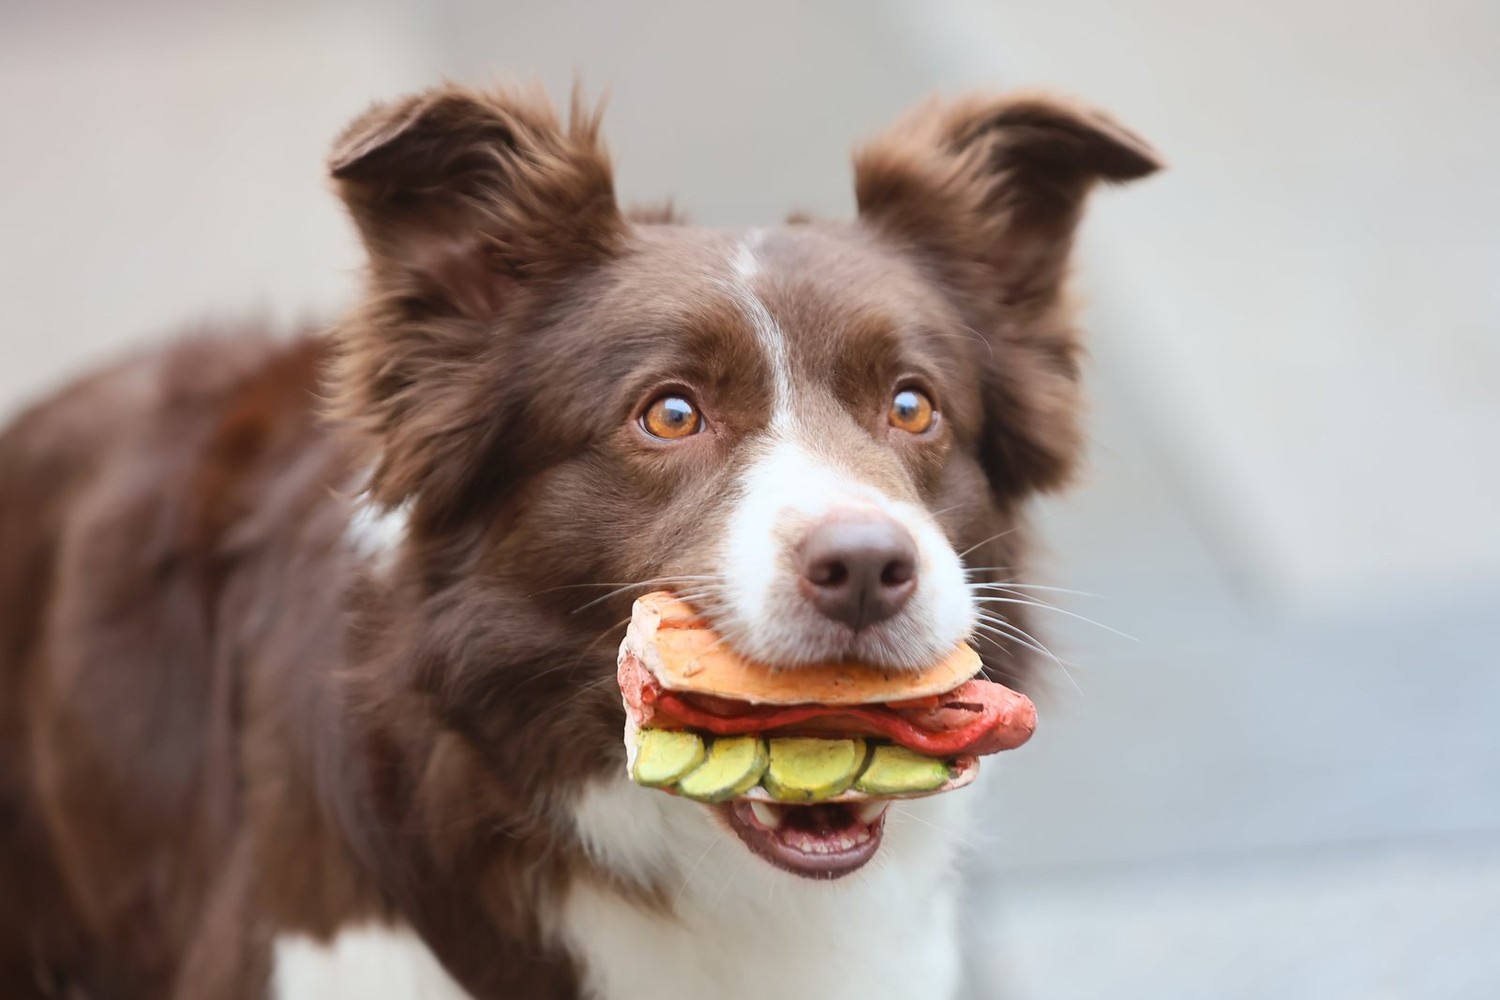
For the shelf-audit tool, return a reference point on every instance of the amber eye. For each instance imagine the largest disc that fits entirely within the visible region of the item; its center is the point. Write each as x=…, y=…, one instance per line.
x=671, y=418
x=912, y=411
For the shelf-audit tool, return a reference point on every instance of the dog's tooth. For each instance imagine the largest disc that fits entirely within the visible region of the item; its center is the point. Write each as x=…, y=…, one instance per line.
x=869, y=812
x=766, y=814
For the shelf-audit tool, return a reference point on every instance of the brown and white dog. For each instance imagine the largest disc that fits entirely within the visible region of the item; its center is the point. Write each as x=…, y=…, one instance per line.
x=307, y=647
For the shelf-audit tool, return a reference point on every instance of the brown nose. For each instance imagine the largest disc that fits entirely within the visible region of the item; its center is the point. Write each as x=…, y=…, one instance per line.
x=858, y=568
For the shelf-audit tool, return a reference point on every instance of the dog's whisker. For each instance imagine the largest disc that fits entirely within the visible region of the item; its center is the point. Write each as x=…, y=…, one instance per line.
x=993, y=642
x=967, y=334
x=997, y=535
x=632, y=586
x=688, y=878
x=1018, y=634
x=901, y=814
x=620, y=583
x=573, y=661
x=1009, y=585
x=601, y=636
x=972, y=571
x=982, y=339
x=565, y=665
x=993, y=629
x=587, y=688
x=996, y=672
x=1000, y=620
x=1015, y=631
x=1043, y=606
x=978, y=589
x=739, y=868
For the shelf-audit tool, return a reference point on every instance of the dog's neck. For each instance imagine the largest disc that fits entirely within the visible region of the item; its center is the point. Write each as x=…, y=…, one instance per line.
x=733, y=927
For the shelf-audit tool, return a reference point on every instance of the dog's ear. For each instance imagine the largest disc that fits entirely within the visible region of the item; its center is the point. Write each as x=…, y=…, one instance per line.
x=989, y=192
x=996, y=182
x=473, y=207
x=458, y=194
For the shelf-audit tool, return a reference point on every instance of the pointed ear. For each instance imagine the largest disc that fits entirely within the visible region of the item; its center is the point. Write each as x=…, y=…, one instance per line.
x=997, y=182
x=473, y=206
x=458, y=194
x=989, y=191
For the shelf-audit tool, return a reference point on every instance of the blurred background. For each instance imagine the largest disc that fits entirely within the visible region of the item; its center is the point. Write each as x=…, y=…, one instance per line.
x=1287, y=784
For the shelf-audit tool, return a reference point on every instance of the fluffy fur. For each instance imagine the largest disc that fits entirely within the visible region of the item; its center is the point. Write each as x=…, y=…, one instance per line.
x=306, y=646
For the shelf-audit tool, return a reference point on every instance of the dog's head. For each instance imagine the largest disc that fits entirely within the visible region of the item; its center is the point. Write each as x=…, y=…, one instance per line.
x=819, y=433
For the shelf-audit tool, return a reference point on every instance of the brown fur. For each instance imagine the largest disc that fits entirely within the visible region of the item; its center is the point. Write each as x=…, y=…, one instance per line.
x=218, y=725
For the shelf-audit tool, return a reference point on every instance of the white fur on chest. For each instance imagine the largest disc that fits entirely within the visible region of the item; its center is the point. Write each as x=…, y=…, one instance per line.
x=742, y=929
x=366, y=962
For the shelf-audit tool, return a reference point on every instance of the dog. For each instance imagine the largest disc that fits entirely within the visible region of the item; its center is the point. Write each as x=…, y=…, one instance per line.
x=307, y=643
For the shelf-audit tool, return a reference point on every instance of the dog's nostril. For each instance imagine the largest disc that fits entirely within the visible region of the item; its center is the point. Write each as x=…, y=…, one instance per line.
x=828, y=573
x=858, y=568
x=897, y=572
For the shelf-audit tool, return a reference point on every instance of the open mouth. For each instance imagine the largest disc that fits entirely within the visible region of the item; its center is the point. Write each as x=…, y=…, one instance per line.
x=825, y=841
x=803, y=763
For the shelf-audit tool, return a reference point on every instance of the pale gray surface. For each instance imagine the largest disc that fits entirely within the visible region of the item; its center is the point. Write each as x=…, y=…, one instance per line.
x=1287, y=784
x=1397, y=922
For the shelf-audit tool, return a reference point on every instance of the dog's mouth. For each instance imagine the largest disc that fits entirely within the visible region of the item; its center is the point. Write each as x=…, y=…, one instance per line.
x=801, y=764
x=823, y=841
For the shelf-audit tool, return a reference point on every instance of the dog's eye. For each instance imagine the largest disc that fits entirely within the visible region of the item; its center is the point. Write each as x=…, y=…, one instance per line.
x=670, y=418
x=912, y=411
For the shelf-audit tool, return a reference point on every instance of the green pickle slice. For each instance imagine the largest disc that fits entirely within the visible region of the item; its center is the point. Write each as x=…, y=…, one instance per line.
x=733, y=765
x=895, y=770
x=803, y=769
x=665, y=756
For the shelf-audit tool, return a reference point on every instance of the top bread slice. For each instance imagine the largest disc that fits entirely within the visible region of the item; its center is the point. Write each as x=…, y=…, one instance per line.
x=679, y=649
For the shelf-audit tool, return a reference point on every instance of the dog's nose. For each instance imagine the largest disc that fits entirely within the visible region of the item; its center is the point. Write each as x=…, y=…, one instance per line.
x=858, y=568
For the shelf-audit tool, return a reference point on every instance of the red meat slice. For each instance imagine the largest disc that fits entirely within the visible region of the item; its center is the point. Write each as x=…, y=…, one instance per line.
x=977, y=717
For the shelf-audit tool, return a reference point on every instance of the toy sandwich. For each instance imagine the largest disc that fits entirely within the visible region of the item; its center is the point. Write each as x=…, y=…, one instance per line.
x=704, y=723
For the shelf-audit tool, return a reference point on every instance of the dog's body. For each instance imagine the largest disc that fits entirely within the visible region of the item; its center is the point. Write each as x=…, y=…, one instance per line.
x=315, y=705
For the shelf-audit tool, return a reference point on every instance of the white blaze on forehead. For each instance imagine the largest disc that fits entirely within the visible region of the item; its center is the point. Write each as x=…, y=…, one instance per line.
x=786, y=488
x=745, y=268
